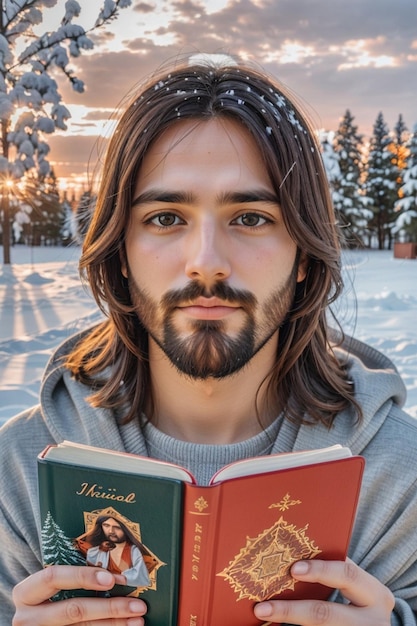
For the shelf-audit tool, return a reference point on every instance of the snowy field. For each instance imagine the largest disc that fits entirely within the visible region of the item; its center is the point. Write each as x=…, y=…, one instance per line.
x=42, y=302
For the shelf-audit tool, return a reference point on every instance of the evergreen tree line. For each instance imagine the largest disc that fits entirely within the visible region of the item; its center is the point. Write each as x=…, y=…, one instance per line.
x=373, y=184
x=38, y=215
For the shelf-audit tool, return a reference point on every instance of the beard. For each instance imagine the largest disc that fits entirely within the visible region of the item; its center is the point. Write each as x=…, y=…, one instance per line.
x=208, y=351
x=113, y=538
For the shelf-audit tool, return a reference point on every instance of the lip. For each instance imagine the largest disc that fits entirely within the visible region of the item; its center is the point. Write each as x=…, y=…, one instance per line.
x=209, y=309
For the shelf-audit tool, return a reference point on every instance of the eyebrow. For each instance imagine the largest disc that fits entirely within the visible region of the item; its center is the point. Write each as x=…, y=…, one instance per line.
x=228, y=197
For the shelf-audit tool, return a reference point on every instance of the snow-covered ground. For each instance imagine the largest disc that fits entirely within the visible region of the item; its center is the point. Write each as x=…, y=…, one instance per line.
x=42, y=302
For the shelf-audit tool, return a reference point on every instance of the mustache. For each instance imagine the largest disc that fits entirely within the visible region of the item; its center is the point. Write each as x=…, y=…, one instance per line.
x=194, y=289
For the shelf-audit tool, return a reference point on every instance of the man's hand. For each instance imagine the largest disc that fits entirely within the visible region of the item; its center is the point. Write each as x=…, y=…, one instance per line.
x=31, y=599
x=370, y=601
x=106, y=546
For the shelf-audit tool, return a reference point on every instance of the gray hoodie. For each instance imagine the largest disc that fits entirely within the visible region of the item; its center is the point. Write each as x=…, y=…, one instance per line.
x=384, y=541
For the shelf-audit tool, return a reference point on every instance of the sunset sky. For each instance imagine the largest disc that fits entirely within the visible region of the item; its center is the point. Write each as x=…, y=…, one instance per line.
x=333, y=54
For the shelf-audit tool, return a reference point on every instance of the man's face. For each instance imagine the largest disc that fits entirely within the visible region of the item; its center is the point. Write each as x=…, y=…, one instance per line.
x=113, y=531
x=210, y=263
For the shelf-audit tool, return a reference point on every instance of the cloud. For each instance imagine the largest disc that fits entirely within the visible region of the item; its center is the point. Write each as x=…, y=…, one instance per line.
x=333, y=55
x=108, y=77
x=315, y=34
x=76, y=155
x=98, y=114
x=246, y=21
x=144, y=7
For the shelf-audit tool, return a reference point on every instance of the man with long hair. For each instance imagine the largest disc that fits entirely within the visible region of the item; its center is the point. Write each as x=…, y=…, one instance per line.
x=111, y=545
x=214, y=253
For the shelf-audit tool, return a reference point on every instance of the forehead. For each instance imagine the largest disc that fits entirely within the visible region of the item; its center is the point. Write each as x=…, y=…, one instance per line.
x=182, y=134
x=194, y=150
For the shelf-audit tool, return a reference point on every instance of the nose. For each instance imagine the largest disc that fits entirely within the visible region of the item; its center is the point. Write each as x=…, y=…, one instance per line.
x=207, y=256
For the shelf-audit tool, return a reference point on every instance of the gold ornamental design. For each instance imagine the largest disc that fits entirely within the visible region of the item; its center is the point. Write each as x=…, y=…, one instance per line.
x=201, y=504
x=261, y=570
x=285, y=503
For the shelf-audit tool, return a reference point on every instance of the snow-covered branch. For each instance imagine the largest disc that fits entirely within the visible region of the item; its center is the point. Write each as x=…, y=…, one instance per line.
x=28, y=65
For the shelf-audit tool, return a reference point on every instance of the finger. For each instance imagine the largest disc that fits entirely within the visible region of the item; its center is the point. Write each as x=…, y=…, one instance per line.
x=46, y=583
x=356, y=585
x=310, y=613
x=106, y=611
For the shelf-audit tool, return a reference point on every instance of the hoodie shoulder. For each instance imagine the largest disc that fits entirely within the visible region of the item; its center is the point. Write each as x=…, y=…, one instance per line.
x=371, y=372
x=381, y=393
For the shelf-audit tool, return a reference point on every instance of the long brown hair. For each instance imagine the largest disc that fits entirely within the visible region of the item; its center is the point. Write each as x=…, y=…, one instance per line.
x=307, y=379
x=96, y=536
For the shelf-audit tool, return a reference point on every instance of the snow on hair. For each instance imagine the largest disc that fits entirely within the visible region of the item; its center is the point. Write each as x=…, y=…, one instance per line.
x=212, y=60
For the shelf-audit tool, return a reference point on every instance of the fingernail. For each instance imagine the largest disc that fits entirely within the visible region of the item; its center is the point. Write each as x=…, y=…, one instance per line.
x=104, y=578
x=301, y=567
x=136, y=606
x=263, y=610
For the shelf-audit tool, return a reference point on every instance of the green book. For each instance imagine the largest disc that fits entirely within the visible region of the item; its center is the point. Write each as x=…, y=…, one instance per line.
x=73, y=500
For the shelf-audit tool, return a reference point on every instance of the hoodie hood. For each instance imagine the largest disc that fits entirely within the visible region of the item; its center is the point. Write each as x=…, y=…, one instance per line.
x=66, y=410
x=378, y=386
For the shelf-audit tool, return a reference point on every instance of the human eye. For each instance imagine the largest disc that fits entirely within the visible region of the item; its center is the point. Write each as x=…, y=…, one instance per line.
x=252, y=220
x=164, y=220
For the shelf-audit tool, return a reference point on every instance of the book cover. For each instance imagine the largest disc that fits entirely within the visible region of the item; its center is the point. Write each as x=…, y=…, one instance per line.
x=198, y=554
x=74, y=501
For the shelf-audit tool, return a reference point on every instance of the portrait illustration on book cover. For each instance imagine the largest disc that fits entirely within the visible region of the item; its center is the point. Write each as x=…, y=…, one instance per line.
x=110, y=540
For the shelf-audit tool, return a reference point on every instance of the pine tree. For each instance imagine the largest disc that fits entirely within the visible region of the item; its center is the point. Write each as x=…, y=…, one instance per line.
x=407, y=221
x=83, y=215
x=381, y=184
x=329, y=156
x=52, y=211
x=400, y=151
x=56, y=546
x=347, y=187
x=39, y=198
x=28, y=67
x=68, y=229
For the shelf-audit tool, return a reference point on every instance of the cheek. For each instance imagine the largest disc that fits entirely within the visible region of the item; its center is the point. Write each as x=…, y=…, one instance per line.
x=270, y=270
x=272, y=261
x=150, y=250
x=153, y=268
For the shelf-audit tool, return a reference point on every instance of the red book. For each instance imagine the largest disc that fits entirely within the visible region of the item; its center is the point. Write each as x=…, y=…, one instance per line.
x=218, y=549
